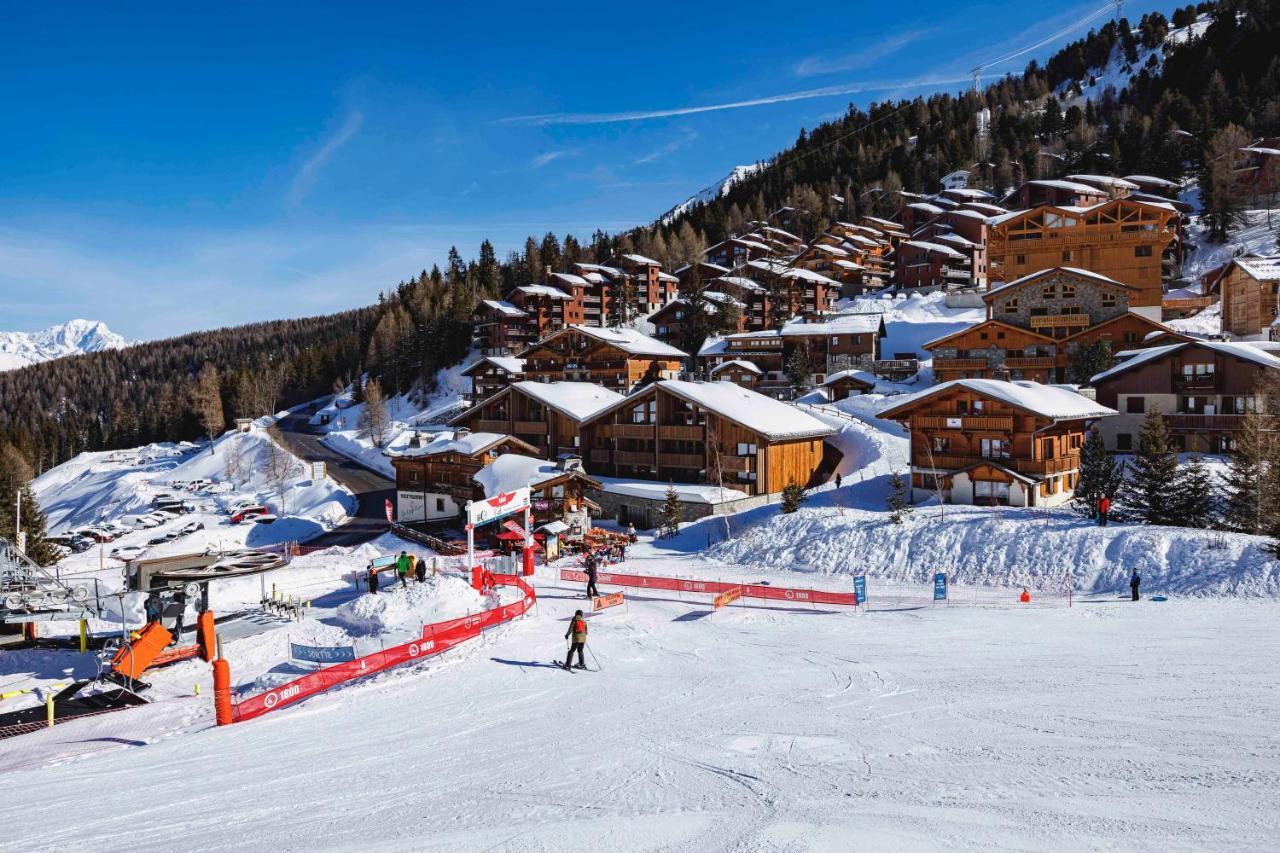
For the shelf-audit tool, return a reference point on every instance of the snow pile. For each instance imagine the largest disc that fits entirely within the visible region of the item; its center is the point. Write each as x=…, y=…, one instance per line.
x=396, y=609
x=1002, y=547
x=914, y=321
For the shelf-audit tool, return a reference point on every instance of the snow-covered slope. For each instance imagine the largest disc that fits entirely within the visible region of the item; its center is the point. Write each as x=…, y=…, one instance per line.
x=74, y=337
x=1117, y=73
x=712, y=192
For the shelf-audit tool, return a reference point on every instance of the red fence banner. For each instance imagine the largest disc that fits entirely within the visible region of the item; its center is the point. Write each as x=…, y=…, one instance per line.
x=729, y=596
x=601, y=602
x=436, y=638
x=749, y=590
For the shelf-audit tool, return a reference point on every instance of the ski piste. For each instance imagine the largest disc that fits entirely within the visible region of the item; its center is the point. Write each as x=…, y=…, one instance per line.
x=572, y=668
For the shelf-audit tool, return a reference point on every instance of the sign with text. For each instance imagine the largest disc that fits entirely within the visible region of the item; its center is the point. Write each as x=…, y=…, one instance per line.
x=600, y=602
x=860, y=589
x=498, y=506
x=322, y=654
x=413, y=506
x=515, y=528
x=940, y=586
x=317, y=471
x=729, y=596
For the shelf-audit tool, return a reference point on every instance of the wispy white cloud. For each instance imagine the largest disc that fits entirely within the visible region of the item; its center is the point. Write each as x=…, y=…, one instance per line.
x=646, y=115
x=305, y=177
x=815, y=65
x=667, y=150
x=551, y=156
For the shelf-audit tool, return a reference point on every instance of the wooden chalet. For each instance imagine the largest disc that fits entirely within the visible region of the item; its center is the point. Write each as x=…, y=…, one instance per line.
x=1250, y=292
x=614, y=358
x=651, y=286
x=491, y=374
x=987, y=441
x=848, y=383
x=757, y=312
x=1255, y=170
x=794, y=290
x=1036, y=325
x=702, y=271
x=835, y=342
x=548, y=308
x=738, y=372
x=705, y=432
x=557, y=488
x=1202, y=388
x=944, y=262
x=736, y=251
x=669, y=322
x=1055, y=193
x=434, y=481
x=499, y=327
x=1129, y=241
x=544, y=415
x=762, y=349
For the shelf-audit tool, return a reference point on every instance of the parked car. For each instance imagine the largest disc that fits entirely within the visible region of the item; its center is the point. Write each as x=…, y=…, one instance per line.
x=80, y=544
x=163, y=497
x=128, y=552
x=247, y=513
x=97, y=534
x=146, y=521
x=167, y=536
x=265, y=518
x=115, y=529
x=191, y=527
x=174, y=507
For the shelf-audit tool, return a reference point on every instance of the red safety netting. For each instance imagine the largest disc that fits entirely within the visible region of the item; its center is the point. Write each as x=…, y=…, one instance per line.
x=749, y=590
x=436, y=638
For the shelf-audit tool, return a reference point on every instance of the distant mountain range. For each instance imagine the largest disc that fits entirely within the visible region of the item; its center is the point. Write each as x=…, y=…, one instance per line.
x=74, y=337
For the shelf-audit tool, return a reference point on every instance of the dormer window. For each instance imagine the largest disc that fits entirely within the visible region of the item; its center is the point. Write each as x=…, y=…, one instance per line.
x=1049, y=291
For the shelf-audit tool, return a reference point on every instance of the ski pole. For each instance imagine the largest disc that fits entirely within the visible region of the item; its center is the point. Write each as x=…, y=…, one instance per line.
x=593, y=657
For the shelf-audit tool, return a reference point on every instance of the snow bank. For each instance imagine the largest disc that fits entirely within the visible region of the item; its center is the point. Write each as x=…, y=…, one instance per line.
x=397, y=608
x=914, y=321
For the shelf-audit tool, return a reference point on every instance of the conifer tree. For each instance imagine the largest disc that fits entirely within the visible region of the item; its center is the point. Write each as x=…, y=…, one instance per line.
x=670, y=522
x=899, y=506
x=1100, y=474
x=1194, y=496
x=792, y=496
x=1153, y=476
x=15, y=480
x=206, y=399
x=800, y=367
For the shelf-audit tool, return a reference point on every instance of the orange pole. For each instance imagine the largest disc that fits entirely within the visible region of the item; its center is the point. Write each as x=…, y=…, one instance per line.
x=222, y=692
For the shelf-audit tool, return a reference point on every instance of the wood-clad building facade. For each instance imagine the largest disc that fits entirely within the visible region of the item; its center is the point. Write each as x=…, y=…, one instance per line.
x=434, y=483
x=985, y=441
x=1250, y=291
x=705, y=432
x=616, y=358
x=545, y=416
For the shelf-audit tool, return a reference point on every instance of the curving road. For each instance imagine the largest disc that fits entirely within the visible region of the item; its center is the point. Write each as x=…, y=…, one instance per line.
x=372, y=489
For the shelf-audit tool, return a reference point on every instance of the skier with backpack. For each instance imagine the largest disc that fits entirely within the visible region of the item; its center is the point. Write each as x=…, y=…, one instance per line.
x=578, y=631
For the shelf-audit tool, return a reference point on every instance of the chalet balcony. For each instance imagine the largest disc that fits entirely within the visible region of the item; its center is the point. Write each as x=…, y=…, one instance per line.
x=1031, y=467
x=681, y=460
x=529, y=426
x=1202, y=382
x=964, y=422
x=1049, y=321
x=681, y=432
x=629, y=430
x=630, y=457
x=601, y=455
x=1195, y=423
x=1032, y=363
x=1079, y=236
x=490, y=426
x=735, y=463
x=960, y=364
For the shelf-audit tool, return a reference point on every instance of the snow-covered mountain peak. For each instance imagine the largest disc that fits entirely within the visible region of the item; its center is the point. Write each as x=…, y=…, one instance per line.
x=712, y=192
x=74, y=337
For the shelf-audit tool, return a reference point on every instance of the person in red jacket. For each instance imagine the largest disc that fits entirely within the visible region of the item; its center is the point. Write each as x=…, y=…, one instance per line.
x=1104, y=507
x=577, y=630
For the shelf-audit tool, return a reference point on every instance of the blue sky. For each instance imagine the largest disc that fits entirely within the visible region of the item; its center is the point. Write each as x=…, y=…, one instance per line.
x=166, y=168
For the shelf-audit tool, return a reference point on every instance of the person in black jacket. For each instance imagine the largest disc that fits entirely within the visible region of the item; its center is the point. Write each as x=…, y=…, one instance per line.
x=1134, y=582
x=592, y=572
x=373, y=579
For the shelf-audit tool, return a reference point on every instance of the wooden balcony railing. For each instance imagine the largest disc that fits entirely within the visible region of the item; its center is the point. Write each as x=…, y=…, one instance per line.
x=628, y=457
x=1025, y=362
x=1202, y=382
x=680, y=432
x=965, y=422
x=629, y=430
x=489, y=426
x=960, y=364
x=681, y=460
x=601, y=455
x=1034, y=467
x=529, y=426
x=1204, y=422
x=735, y=463
x=1055, y=320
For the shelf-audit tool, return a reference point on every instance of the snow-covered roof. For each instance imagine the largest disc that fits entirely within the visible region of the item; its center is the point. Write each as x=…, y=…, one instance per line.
x=847, y=265
x=770, y=229
x=722, y=298
x=925, y=207
x=666, y=276
x=505, y=308
x=468, y=444
x=1237, y=349
x=860, y=375
x=809, y=275
x=933, y=247
x=512, y=471
x=1105, y=181
x=774, y=267
x=739, y=363
x=569, y=278
x=641, y=259
x=968, y=192
x=1258, y=149
x=983, y=207
x=1076, y=271
x=764, y=415
x=1070, y=186
x=741, y=282
x=1263, y=268
x=1048, y=401
x=836, y=324
x=577, y=400
x=888, y=224
x=630, y=341
x=612, y=272
x=543, y=290
x=830, y=250
x=720, y=345
x=1151, y=179
x=688, y=492
x=509, y=363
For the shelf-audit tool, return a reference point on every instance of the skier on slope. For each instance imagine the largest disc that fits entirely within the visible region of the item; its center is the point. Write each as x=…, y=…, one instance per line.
x=578, y=630
x=592, y=572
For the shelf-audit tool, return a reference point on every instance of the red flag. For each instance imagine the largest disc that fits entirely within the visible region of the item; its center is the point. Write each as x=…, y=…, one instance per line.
x=389, y=518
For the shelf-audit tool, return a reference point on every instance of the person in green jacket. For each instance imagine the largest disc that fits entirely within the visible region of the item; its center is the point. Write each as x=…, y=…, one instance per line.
x=402, y=568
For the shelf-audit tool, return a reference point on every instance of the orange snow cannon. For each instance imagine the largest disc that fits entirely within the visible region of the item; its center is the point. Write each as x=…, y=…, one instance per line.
x=205, y=635
x=133, y=659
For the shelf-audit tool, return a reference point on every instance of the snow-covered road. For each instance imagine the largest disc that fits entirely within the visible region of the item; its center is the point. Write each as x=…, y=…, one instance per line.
x=1105, y=726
